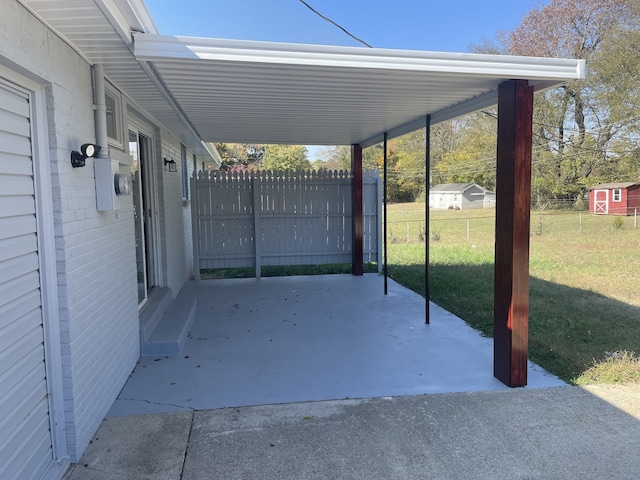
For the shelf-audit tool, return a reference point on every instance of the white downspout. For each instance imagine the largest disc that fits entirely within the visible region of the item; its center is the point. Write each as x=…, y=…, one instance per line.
x=100, y=109
x=103, y=165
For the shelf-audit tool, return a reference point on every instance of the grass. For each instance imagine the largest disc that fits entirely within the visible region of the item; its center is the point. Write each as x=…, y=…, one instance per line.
x=618, y=367
x=584, y=295
x=283, y=270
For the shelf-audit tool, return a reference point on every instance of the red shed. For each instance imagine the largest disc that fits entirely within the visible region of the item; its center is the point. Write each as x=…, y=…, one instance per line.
x=615, y=198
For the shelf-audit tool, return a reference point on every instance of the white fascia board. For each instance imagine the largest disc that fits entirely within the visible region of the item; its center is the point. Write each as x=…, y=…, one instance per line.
x=472, y=105
x=213, y=152
x=475, y=104
x=156, y=47
x=139, y=10
x=127, y=16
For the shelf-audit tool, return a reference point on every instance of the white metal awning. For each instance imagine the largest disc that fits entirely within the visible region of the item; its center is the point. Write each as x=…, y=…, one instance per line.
x=262, y=92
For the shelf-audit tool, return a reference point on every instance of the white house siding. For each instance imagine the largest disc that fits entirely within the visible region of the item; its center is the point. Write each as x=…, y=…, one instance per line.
x=465, y=198
x=473, y=198
x=445, y=200
x=94, y=251
x=173, y=213
x=186, y=217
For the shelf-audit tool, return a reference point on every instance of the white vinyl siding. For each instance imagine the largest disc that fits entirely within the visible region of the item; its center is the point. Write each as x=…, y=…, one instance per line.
x=25, y=438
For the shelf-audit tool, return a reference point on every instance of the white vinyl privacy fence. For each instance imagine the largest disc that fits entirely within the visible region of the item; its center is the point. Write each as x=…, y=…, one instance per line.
x=254, y=219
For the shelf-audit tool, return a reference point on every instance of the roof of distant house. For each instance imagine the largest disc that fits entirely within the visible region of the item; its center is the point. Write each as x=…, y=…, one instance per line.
x=604, y=186
x=455, y=187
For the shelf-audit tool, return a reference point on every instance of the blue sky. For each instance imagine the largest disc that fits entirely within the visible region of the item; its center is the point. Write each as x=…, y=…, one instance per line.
x=437, y=25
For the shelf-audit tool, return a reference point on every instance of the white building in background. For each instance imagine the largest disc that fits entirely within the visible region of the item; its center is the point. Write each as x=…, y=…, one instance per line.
x=460, y=196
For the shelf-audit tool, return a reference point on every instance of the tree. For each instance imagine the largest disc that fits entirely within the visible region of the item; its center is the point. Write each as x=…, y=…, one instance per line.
x=467, y=150
x=330, y=158
x=285, y=157
x=243, y=156
x=340, y=156
x=576, y=126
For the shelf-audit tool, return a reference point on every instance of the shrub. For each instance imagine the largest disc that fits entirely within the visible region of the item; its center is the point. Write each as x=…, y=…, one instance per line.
x=617, y=367
x=618, y=223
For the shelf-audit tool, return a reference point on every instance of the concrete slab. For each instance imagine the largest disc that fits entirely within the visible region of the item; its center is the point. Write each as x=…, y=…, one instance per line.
x=293, y=339
x=142, y=447
x=557, y=433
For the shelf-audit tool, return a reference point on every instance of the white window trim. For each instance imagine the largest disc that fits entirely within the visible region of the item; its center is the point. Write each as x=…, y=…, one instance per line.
x=184, y=171
x=118, y=116
x=617, y=195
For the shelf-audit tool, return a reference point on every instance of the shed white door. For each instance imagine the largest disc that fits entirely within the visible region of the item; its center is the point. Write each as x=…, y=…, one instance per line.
x=601, y=201
x=25, y=435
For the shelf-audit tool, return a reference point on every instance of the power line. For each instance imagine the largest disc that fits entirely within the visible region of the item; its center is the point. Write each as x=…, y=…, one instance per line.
x=334, y=23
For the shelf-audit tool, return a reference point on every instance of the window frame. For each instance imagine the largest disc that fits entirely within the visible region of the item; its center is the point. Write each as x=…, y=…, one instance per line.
x=184, y=172
x=616, y=195
x=118, y=116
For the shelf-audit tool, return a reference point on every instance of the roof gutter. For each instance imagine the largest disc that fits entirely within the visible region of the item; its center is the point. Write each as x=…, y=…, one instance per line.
x=150, y=47
x=131, y=18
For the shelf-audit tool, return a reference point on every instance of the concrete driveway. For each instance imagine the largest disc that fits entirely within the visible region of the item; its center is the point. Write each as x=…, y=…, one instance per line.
x=554, y=433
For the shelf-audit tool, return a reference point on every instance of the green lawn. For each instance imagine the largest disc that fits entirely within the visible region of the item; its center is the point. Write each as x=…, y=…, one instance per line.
x=584, y=288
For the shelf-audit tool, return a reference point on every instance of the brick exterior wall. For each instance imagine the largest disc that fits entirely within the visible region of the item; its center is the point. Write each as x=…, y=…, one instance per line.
x=175, y=211
x=95, y=251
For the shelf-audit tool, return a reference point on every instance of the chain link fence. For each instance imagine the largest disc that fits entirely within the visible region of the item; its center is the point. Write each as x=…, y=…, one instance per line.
x=407, y=226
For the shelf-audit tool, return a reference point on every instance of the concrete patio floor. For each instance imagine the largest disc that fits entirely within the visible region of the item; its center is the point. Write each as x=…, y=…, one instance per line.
x=298, y=339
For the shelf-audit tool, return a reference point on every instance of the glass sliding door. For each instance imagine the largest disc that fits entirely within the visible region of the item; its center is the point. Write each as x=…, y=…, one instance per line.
x=140, y=150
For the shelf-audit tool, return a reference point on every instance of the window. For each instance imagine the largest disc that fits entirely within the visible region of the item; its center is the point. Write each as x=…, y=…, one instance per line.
x=112, y=127
x=617, y=195
x=113, y=103
x=185, y=172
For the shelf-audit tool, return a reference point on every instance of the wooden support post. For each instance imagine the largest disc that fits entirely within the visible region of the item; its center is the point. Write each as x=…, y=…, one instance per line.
x=513, y=195
x=357, y=265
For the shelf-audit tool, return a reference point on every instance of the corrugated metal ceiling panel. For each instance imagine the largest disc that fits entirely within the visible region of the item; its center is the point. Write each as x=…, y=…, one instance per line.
x=236, y=91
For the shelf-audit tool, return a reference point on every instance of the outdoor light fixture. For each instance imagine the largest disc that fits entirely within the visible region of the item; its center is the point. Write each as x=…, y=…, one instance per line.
x=172, y=167
x=87, y=150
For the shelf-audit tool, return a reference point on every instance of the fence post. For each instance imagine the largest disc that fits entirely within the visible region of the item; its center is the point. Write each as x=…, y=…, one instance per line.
x=635, y=218
x=257, y=234
x=468, y=229
x=379, y=220
x=580, y=223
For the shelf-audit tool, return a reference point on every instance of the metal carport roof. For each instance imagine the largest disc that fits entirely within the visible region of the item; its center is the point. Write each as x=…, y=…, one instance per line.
x=262, y=92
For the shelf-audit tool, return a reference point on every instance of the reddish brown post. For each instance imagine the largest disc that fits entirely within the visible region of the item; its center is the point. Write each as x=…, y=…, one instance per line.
x=513, y=195
x=357, y=266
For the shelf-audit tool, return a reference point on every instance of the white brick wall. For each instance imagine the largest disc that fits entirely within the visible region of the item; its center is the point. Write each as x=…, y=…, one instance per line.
x=95, y=253
x=177, y=266
x=186, y=223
